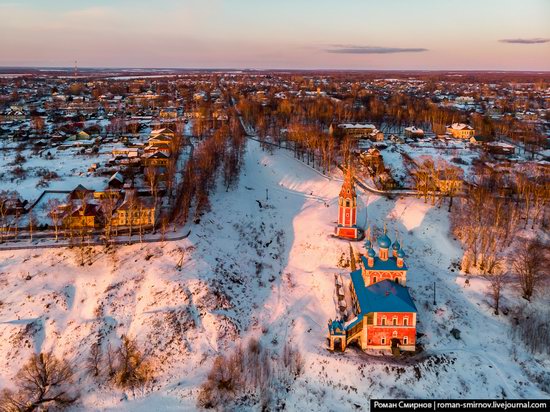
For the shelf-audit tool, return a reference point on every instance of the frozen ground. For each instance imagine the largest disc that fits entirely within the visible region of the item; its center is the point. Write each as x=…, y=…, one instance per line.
x=265, y=272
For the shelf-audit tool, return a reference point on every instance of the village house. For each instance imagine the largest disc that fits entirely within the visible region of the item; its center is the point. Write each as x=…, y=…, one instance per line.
x=136, y=211
x=157, y=159
x=81, y=211
x=84, y=215
x=460, y=131
x=376, y=136
x=169, y=114
x=500, y=149
x=355, y=130
x=414, y=132
x=126, y=152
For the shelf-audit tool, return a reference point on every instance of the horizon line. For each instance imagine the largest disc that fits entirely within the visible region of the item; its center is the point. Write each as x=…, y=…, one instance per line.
x=2, y=67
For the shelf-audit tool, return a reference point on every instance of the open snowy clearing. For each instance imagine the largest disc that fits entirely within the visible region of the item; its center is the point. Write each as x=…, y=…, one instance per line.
x=266, y=272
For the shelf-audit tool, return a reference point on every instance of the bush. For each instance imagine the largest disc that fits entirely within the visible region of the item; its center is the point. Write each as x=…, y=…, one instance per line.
x=532, y=327
x=255, y=376
x=132, y=369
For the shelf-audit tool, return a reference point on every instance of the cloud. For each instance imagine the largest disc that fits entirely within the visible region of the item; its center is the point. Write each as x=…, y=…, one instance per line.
x=536, y=40
x=352, y=49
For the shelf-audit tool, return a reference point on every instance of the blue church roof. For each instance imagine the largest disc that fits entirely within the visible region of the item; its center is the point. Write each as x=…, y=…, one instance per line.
x=384, y=241
x=335, y=326
x=379, y=264
x=385, y=296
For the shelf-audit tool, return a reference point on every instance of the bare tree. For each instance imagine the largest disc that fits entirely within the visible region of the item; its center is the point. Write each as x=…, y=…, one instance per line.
x=497, y=281
x=6, y=201
x=449, y=180
x=423, y=174
x=111, y=359
x=152, y=177
x=530, y=263
x=55, y=215
x=108, y=207
x=32, y=223
x=93, y=361
x=43, y=383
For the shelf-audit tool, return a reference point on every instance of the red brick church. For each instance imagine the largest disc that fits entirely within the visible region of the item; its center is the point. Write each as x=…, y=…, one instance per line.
x=376, y=309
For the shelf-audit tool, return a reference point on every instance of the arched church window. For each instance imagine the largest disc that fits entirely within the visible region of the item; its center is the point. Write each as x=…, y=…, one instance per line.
x=348, y=203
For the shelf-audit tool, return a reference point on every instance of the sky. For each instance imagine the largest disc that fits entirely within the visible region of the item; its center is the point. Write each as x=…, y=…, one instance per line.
x=278, y=34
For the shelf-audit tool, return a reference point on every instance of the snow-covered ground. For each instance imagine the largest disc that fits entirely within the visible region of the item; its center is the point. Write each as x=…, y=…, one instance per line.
x=71, y=167
x=263, y=268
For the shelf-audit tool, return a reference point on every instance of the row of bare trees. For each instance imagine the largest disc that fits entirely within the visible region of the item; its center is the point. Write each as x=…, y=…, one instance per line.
x=223, y=151
x=487, y=221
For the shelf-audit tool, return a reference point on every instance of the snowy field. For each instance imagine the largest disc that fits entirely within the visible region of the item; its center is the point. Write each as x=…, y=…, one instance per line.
x=266, y=272
x=71, y=167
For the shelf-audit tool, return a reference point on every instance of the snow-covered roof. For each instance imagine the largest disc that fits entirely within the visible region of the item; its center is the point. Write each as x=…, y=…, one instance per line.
x=356, y=126
x=414, y=129
x=460, y=126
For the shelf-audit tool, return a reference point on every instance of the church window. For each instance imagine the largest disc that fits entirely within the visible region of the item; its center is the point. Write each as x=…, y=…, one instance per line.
x=383, y=341
x=405, y=340
x=395, y=321
x=374, y=279
x=348, y=203
x=384, y=321
x=406, y=321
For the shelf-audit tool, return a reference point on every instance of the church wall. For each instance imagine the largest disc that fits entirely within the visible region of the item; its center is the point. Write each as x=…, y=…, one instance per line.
x=369, y=275
x=348, y=232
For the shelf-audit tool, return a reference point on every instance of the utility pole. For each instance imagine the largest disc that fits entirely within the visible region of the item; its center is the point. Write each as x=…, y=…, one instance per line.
x=434, y=295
